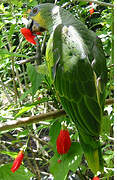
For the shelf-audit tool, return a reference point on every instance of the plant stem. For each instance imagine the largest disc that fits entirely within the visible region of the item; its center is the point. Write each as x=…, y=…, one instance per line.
x=14, y=82
x=29, y=120
x=37, y=118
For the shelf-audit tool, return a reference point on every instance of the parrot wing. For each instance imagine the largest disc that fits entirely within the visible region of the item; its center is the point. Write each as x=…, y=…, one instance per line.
x=75, y=77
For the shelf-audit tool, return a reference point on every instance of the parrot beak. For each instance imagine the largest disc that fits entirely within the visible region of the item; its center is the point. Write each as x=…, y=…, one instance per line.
x=34, y=27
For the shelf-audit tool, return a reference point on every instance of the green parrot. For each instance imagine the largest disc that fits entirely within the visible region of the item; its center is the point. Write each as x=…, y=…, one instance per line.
x=77, y=68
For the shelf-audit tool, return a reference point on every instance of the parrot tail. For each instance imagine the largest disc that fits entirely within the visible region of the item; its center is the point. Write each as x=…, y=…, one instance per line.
x=92, y=151
x=88, y=129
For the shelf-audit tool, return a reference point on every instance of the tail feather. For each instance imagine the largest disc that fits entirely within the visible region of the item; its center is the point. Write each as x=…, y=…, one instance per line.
x=89, y=141
x=92, y=152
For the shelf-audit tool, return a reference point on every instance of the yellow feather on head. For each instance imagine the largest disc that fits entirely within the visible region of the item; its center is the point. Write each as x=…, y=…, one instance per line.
x=38, y=18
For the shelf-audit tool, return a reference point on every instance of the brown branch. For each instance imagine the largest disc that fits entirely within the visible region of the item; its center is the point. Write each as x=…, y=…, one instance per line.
x=29, y=120
x=33, y=58
x=37, y=118
x=109, y=101
x=40, y=140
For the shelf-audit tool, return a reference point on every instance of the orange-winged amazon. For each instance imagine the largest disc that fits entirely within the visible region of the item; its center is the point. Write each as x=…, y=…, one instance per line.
x=77, y=68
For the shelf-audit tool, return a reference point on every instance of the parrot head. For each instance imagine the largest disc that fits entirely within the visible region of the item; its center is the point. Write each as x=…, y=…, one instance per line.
x=38, y=17
x=39, y=20
x=36, y=23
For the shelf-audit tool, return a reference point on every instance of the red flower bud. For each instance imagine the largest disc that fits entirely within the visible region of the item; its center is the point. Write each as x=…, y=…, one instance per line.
x=28, y=35
x=59, y=160
x=96, y=178
x=17, y=162
x=63, y=142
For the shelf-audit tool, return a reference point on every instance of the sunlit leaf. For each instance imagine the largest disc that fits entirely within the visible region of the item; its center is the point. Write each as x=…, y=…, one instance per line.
x=4, y=52
x=21, y=174
x=35, y=78
x=69, y=161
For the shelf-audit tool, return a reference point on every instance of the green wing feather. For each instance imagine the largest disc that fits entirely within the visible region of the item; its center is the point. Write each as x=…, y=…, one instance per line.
x=75, y=68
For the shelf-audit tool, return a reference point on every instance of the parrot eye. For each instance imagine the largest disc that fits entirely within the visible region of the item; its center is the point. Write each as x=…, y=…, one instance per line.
x=35, y=10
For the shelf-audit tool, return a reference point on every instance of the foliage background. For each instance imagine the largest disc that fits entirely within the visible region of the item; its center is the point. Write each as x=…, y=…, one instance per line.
x=24, y=92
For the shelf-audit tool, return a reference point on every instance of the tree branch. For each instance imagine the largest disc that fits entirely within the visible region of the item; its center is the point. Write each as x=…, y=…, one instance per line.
x=33, y=58
x=109, y=101
x=29, y=120
x=37, y=118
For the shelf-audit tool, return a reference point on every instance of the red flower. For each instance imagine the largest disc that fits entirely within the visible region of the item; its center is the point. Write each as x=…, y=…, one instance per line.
x=29, y=35
x=91, y=11
x=17, y=162
x=96, y=178
x=63, y=142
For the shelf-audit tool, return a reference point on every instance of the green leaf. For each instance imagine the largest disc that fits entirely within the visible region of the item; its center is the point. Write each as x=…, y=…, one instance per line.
x=54, y=132
x=23, y=110
x=2, y=119
x=43, y=69
x=69, y=161
x=21, y=174
x=12, y=154
x=4, y=52
x=11, y=31
x=109, y=160
x=106, y=126
x=30, y=106
x=23, y=133
x=17, y=3
x=24, y=95
x=35, y=78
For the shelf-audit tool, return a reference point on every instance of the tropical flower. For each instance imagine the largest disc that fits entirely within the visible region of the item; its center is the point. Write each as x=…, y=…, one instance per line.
x=92, y=9
x=29, y=35
x=17, y=162
x=63, y=142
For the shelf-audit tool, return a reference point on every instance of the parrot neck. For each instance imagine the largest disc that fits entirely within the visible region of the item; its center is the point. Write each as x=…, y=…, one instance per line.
x=56, y=16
